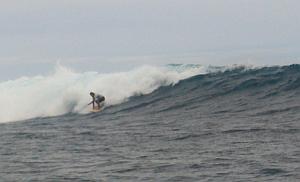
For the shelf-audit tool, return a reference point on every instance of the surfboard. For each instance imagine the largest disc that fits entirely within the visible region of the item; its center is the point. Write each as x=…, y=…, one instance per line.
x=98, y=110
x=95, y=110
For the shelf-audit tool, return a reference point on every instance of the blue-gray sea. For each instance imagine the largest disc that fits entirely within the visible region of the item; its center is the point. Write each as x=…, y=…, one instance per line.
x=236, y=125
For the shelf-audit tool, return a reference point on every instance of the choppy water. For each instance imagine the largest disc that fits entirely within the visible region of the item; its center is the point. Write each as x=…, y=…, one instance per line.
x=237, y=125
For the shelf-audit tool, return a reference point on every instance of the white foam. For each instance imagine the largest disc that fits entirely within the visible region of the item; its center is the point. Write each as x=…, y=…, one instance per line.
x=67, y=91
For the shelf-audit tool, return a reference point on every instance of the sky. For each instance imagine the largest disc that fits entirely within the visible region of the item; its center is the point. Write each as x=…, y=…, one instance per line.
x=115, y=35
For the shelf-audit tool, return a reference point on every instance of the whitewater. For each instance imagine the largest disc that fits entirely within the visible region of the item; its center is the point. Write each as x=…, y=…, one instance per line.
x=66, y=91
x=172, y=123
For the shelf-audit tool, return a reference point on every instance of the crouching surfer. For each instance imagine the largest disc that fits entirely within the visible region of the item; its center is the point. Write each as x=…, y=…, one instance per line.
x=98, y=99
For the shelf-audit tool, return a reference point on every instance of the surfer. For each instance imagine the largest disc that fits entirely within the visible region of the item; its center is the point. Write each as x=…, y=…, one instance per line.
x=97, y=98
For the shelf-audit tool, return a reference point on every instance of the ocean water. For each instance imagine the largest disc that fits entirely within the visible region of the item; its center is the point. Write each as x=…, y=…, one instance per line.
x=179, y=123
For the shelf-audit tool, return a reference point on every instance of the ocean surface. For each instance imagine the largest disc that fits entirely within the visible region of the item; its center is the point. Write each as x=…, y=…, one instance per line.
x=237, y=124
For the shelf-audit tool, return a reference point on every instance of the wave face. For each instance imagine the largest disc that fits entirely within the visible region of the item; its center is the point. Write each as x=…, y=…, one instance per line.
x=66, y=91
x=238, y=91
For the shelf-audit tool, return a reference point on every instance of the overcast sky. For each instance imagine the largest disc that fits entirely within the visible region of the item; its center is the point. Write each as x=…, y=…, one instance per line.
x=109, y=35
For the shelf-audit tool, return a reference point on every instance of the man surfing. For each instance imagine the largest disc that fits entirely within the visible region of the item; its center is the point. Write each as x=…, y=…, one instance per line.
x=98, y=99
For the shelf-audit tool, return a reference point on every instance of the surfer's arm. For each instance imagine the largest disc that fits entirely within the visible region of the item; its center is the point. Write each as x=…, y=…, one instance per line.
x=90, y=103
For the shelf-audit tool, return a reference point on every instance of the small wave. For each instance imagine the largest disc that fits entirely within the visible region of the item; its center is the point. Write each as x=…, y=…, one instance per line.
x=272, y=171
x=280, y=110
x=243, y=130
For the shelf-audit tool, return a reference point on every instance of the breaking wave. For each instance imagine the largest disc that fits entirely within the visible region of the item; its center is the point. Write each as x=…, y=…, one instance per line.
x=66, y=91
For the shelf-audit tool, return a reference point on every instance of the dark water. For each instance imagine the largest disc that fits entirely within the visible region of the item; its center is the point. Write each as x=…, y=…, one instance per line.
x=238, y=125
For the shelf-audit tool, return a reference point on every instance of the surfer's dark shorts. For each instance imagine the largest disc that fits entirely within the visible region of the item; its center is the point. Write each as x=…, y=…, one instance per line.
x=99, y=99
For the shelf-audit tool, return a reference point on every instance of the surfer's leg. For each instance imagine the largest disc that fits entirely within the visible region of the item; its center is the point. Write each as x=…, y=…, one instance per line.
x=101, y=102
x=98, y=103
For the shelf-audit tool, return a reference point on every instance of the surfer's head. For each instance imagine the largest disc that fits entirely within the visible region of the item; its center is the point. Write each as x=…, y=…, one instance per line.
x=92, y=94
